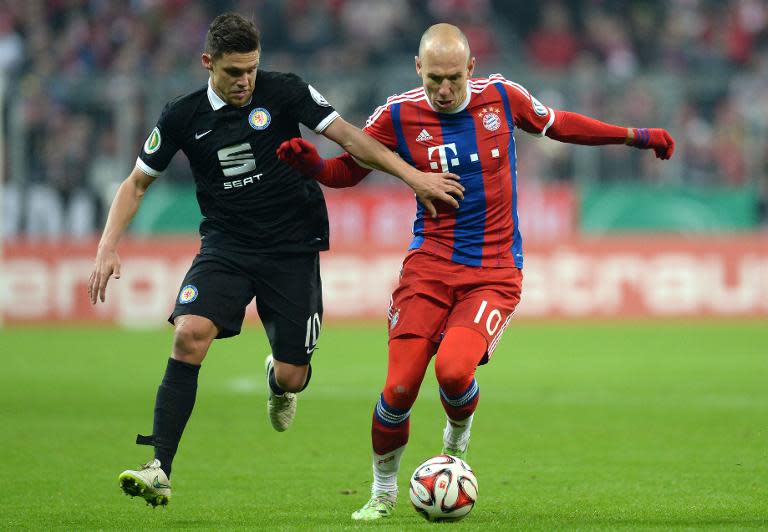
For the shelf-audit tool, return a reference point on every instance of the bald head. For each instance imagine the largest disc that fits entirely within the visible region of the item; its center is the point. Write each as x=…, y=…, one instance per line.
x=445, y=66
x=442, y=39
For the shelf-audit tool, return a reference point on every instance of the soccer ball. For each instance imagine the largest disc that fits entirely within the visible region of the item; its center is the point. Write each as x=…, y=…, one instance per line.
x=443, y=488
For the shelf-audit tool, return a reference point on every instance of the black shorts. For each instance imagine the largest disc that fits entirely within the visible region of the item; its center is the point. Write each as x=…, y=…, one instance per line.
x=220, y=284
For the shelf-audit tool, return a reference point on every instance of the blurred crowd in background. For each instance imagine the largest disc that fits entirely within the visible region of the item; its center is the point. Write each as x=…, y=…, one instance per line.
x=85, y=80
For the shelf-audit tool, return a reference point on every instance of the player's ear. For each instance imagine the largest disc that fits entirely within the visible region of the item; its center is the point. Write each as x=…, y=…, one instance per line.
x=418, y=64
x=470, y=67
x=206, y=61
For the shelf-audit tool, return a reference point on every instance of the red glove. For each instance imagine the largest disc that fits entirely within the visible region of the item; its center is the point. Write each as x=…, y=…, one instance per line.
x=339, y=172
x=301, y=155
x=655, y=139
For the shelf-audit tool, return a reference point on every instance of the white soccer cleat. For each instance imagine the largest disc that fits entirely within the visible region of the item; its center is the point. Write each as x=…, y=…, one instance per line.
x=149, y=482
x=281, y=408
x=453, y=447
x=379, y=506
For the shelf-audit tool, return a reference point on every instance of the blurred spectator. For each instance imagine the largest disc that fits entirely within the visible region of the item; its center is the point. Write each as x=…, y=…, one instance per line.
x=605, y=36
x=475, y=19
x=87, y=76
x=554, y=43
x=11, y=44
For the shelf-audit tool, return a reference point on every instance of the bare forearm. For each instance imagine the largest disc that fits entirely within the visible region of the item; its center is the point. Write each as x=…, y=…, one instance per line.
x=123, y=209
x=370, y=152
x=376, y=155
x=428, y=186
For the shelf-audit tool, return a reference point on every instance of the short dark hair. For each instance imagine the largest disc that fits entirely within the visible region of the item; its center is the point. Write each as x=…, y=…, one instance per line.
x=231, y=33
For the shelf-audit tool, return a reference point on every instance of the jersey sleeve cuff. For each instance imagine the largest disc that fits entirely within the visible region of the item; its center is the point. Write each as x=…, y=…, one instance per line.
x=147, y=169
x=326, y=122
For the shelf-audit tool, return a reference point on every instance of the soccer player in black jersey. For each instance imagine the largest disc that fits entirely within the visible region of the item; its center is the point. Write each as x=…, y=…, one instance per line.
x=262, y=228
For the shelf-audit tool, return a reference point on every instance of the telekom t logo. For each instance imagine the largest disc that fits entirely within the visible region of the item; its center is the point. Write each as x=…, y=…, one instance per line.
x=441, y=150
x=447, y=161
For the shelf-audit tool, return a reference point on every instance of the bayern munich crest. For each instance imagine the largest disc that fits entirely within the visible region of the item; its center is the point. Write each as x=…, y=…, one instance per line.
x=490, y=116
x=188, y=294
x=259, y=118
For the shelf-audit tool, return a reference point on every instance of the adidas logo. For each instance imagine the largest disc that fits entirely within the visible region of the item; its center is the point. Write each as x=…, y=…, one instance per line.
x=423, y=136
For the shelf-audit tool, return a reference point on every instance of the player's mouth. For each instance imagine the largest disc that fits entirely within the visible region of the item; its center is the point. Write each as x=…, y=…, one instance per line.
x=443, y=104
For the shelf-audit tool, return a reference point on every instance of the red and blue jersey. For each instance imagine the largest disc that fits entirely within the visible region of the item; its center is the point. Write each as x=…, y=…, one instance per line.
x=476, y=142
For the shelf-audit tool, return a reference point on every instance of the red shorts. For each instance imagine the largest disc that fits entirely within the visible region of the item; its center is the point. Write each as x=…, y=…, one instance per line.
x=435, y=294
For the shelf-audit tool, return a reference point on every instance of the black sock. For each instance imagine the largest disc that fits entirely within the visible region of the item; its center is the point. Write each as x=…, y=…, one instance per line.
x=309, y=376
x=277, y=390
x=173, y=406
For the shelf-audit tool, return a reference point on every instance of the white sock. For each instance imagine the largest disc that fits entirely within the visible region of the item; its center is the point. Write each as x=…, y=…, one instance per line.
x=456, y=434
x=385, y=468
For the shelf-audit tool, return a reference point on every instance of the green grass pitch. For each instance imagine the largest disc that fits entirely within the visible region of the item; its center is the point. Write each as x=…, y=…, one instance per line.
x=581, y=425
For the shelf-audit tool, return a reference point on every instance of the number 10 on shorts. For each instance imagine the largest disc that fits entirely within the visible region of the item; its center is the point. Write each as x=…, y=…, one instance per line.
x=493, y=320
x=313, y=332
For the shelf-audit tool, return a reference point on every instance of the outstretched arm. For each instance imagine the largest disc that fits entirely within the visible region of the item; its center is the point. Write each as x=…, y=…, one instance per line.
x=579, y=129
x=428, y=186
x=122, y=211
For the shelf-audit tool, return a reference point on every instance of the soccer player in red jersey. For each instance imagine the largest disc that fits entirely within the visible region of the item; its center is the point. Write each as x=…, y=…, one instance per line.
x=462, y=277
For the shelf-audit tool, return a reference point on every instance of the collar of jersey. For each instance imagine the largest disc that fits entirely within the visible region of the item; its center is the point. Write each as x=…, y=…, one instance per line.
x=216, y=102
x=460, y=108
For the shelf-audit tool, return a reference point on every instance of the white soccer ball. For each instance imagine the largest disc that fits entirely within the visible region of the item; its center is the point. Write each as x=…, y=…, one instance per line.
x=443, y=488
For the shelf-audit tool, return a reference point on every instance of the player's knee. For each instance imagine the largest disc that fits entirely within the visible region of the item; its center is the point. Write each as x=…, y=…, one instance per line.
x=191, y=340
x=400, y=395
x=453, y=377
x=457, y=358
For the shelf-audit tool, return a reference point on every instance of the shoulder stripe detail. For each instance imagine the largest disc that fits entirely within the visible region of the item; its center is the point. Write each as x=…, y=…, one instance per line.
x=412, y=92
x=479, y=85
x=144, y=167
x=418, y=95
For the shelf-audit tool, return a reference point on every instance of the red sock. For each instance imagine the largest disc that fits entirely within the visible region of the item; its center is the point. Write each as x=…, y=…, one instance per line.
x=408, y=360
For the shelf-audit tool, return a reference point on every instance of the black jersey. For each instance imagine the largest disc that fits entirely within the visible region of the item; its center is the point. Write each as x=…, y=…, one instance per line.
x=249, y=199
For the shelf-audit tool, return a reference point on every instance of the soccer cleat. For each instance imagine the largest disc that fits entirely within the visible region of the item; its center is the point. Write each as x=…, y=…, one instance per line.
x=454, y=451
x=149, y=482
x=453, y=445
x=281, y=408
x=381, y=505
